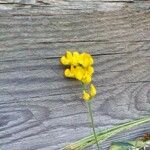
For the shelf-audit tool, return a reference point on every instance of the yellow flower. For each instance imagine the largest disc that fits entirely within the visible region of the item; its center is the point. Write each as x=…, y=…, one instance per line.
x=92, y=90
x=82, y=70
x=80, y=66
x=70, y=72
x=83, y=74
x=86, y=96
x=79, y=72
x=85, y=59
x=86, y=79
x=75, y=59
x=69, y=55
x=66, y=60
x=70, y=58
x=90, y=70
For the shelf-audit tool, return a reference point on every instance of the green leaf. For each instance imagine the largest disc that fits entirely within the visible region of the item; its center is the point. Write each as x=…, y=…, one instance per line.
x=127, y=145
x=102, y=136
x=121, y=146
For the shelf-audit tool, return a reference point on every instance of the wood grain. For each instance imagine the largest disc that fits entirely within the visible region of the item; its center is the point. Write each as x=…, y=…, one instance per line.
x=42, y=110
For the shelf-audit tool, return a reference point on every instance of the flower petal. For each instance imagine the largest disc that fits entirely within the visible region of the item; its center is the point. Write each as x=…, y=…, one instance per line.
x=92, y=90
x=68, y=73
x=86, y=96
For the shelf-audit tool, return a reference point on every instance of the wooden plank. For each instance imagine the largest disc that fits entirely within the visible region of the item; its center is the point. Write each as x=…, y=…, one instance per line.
x=34, y=86
x=38, y=74
x=65, y=117
x=29, y=51
x=18, y=1
x=37, y=103
x=60, y=2
x=74, y=7
x=111, y=27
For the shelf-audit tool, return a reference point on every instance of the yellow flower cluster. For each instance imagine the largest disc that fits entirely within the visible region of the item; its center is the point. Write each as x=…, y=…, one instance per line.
x=79, y=66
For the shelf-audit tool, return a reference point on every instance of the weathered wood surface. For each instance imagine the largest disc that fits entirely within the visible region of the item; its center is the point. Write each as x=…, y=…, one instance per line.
x=39, y=108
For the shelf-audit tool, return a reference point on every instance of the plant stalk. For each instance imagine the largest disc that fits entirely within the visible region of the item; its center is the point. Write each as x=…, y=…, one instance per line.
x=92, y=123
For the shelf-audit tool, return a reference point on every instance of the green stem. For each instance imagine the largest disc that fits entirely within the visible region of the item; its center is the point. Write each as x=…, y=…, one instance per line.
x=92, y=122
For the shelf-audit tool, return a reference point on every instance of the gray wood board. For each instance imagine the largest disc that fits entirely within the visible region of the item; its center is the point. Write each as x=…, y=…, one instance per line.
x=39, y=108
